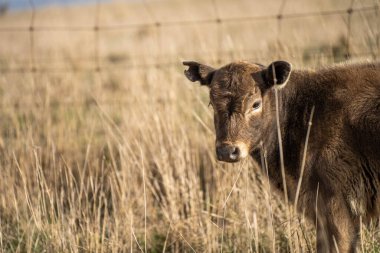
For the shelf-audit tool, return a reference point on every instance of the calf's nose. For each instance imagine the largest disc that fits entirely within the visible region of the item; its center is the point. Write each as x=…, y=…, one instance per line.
x=228, y=153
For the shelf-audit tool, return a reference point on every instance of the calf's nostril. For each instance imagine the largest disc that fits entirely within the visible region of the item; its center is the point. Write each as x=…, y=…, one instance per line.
x=234, y=153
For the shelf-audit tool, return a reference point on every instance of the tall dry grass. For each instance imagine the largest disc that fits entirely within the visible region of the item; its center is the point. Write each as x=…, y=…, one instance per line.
x=122, y=160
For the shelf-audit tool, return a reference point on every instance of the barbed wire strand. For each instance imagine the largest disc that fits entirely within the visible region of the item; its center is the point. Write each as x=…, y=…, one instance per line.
x=124, y=67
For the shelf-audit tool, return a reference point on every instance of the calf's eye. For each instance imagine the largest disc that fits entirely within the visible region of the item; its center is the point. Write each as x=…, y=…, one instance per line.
x=256, y=105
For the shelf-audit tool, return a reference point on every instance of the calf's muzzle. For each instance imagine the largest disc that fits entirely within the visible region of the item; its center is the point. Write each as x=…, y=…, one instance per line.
x=228, y=153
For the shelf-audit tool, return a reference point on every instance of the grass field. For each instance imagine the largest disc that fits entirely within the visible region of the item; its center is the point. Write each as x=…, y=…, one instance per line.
x=122, y=159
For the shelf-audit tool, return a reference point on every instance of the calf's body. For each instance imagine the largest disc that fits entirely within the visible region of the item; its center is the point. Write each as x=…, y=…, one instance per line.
x=341, y=177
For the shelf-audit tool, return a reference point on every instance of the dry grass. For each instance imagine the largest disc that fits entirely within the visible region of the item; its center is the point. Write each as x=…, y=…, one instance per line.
x=123, y=160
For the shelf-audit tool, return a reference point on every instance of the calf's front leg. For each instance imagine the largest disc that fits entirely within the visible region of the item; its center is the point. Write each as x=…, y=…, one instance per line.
x=337, y=228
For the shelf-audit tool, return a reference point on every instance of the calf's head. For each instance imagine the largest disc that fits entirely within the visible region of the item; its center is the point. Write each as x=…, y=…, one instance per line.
x=242, y=108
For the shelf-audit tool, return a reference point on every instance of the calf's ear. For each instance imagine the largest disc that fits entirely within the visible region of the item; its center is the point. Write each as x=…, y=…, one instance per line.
x=277, y=74
x=199, y=72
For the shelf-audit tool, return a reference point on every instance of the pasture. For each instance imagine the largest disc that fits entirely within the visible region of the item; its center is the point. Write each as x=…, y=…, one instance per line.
x=105, y=146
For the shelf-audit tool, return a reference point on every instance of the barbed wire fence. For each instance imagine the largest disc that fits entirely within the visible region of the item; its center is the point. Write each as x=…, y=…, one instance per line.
x=157, y=26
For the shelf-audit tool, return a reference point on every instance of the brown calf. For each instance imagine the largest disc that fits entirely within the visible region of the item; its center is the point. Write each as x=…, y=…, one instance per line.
x=341, y=176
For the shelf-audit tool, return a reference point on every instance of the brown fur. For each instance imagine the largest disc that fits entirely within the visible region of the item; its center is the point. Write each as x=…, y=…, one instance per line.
x=343, y=158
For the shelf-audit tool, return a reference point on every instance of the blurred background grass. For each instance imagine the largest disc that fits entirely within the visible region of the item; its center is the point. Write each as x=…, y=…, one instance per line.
x=106, y=147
